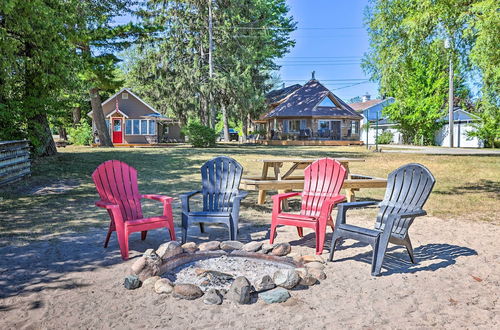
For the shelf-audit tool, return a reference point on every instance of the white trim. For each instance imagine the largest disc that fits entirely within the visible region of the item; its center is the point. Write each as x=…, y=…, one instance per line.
x=130, y=92
x=115, y=111
x=112, y=126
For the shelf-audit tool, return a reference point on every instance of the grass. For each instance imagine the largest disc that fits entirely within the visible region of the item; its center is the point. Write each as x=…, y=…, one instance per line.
x=468, y=187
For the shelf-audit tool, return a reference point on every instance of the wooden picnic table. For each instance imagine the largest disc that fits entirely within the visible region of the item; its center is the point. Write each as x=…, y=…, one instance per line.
x=284, y=181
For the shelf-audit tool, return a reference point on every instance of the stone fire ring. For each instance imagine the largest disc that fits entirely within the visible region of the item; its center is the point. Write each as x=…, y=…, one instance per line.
x=302, y=271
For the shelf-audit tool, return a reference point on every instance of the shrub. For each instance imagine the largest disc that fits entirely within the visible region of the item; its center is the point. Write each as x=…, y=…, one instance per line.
x=385, y=138
x=200, y=136
x=81, y=134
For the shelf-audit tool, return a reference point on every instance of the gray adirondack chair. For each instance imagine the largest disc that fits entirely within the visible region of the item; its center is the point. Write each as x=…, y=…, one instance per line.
x=221, y=198
x=408, y=188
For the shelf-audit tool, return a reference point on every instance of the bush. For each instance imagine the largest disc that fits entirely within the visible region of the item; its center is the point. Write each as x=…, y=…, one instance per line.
x=81, y=135
x=385, y=138
x=200, y=136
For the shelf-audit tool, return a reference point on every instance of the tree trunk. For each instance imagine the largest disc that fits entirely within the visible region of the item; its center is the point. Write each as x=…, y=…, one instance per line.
x=38, y=127
x=226, y=123
x=40, y=135
x=98, y=117
x=62, y=133
x=204, y=111
x=77, y=115
x=244, y=129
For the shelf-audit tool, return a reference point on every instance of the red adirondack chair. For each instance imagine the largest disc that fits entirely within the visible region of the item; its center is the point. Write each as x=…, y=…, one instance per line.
x=323, y=180
x=116, y=183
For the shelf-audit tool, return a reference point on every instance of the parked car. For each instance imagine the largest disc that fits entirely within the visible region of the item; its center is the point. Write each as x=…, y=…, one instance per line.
x=233, y=135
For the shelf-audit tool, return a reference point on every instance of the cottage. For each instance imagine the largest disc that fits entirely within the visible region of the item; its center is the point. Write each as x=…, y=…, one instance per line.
x=130, y=120
x=462, y=125
x=309, y=113
x=371, y=110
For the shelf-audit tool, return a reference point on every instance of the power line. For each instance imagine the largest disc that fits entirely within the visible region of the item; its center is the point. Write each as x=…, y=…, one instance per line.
x=290, y=29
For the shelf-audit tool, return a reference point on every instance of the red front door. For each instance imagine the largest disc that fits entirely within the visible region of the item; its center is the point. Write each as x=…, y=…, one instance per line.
x=117, y=131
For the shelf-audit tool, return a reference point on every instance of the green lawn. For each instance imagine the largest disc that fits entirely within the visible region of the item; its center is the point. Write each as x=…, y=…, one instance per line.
x=468, y=187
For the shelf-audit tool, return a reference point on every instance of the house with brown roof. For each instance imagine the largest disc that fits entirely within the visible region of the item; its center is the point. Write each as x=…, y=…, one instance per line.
x=309, y=113
x=130, y=120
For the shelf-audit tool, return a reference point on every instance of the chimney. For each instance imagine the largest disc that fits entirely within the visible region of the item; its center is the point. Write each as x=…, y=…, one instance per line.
x=312, y=75
x=365, y=97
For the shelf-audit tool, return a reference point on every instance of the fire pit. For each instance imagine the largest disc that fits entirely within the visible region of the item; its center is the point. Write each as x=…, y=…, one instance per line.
x=226, y=270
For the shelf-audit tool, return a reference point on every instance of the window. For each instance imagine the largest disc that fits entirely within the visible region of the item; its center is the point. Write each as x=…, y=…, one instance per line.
x=144, y=127
x=124, y=96
x=135, y=127
x=355, y=127
x=140, y=127
x=152, y=127
x=128, y=127
x=327, y=103
x=293, y=125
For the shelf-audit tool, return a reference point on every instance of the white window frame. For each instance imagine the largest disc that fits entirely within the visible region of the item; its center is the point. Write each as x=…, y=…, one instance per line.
x=290, y=123
x=139, y=131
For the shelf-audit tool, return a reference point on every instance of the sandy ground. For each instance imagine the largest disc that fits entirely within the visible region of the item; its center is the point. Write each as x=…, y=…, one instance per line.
x=72, y=282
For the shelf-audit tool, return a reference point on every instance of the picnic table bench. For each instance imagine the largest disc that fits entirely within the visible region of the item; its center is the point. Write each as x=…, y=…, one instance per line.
x=285, y=181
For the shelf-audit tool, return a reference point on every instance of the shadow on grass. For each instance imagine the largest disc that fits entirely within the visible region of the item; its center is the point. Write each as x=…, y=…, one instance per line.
x=483, y=186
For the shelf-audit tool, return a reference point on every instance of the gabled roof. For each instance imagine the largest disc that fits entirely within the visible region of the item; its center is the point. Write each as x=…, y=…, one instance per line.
x=279, y=94
x=304, y=102
x=131, y=93
x=461, y=115
x=361, y=106
x=115, y=111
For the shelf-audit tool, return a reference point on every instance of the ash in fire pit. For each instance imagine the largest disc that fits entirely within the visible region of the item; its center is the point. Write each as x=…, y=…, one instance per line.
x=220, y=272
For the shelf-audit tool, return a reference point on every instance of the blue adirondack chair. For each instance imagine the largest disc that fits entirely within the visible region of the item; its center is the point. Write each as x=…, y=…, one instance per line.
x=408, y=188
x=221, y=198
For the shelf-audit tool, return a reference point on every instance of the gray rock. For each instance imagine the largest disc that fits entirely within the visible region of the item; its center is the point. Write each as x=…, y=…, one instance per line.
x=149, y=252
x=240, y=290
x=266, y=247
x=265, y=283
x=209, y=246
x=152, y=268
x=189, y=247
x=301, y=271
x=169, y=249
x=281, y=249
x=132, y=282
x=277, y=295
x=150, y=282
x=317, y=273
x=163, y=285
x=231, y=245
x=308, y=280
x=139, y=265
x=315, y=264
x=212, y=297
x=286, y=278
x=252, y=246
x=187, y=291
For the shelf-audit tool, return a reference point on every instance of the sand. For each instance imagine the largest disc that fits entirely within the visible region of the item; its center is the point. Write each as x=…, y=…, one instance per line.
x=73, y=282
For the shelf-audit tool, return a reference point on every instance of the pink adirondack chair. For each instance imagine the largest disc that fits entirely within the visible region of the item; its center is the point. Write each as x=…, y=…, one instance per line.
x=323, y=180
x=116, y=183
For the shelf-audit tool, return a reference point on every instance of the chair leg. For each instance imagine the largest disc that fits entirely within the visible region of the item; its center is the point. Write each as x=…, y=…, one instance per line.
x=202, y=227
x=172, y=234
x=335, y=239
x=107, y=238
x=144, y=234
x=272, y=234
x=185, y=225
x=320, y=239
x=409, y=248
x=300, y=231
x=380, y=249
x=123, y=243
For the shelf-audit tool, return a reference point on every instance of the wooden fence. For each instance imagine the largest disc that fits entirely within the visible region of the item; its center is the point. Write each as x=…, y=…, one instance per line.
x=14, y=161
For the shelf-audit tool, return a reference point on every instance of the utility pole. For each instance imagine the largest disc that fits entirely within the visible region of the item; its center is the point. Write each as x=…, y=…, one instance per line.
x=210, y=64
x=450, y=94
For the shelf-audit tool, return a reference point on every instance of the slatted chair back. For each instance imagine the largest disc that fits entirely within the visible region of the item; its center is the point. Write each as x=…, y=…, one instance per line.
x=116, y=183
x=408, y=188
x=322, y=179
x=221, y=178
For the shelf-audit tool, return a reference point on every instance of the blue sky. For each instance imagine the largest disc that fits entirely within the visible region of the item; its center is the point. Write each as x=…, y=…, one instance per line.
x=331, y=40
